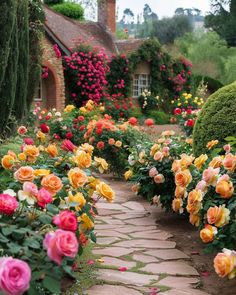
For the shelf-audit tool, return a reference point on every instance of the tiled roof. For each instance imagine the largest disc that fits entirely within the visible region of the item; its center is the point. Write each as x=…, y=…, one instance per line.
x=67, y=31
x=128, y=46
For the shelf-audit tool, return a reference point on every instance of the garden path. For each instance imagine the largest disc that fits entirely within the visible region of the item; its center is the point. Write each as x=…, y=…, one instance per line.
x=135, y=256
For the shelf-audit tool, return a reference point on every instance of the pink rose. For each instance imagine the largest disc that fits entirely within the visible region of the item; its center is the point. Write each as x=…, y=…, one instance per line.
x=158, y=156
x=8, y=204
x=210, y=175
x=15, y=276
x=202, y=186
x=166, y=150
x=66, y=220
x=153, y=171
x=28, y=141
x=67, y=145
x=44, y=197
x=22, y=130
x=59, y=244
x=30, y=188
x=227, y=148
x=224, y=177
x=159, y=178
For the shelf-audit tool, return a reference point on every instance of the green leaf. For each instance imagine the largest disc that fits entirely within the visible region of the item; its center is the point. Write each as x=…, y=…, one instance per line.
x=52, y=209
x=3, y=239
x=45, y=219
x=230, y=138
x=8, y=230
x=32, y=243
x=93, y=237
x=52, y=285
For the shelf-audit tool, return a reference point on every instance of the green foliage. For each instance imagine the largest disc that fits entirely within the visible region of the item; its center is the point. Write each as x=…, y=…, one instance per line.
x=212, y=84
x=167, y=30
x=51, y=2
x=210, y=55
x=216, y=120
x=159, y=117
x=72, y=10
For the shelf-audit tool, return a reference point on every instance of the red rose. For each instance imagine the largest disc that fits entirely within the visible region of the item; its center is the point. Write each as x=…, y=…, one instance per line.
x=177, y=111
x=44, y=128
x=69, y=135
x=149, y=122
x=190, y=123
x=100, y=145
x=133, y=121
x=189, y=111
x=81, y=118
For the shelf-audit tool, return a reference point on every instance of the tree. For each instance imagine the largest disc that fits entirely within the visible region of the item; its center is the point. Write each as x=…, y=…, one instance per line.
x=223, y=21
x=168, y=29
x=148, y=14
x=179, y=11
x=128, y=16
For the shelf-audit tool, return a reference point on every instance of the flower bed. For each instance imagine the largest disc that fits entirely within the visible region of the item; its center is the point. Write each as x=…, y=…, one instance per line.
x=47, y=211
x=203, y=188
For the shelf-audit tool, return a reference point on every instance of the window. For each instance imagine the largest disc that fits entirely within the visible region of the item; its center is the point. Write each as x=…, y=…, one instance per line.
x=141, y=82
x=38, y=97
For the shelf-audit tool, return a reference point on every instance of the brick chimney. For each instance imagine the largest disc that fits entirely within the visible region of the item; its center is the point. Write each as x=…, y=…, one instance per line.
x=107, y=14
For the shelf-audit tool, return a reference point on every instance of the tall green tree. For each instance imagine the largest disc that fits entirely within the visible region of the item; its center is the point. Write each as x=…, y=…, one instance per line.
x=223, y=20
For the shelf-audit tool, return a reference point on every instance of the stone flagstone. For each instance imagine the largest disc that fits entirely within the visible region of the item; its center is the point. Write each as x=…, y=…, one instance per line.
x=141, y=221
x=111, y=261
x=111, y=206
x=131, y=228
x=113, y=251
x=185, y=292
x=172, y=268
x=111, y=233
x=126, y=277
x=178, y=283
x=167, y=254
x=144, y=258
x=156, y=244
x=135, y=206
x=112, y=290
x=107, y=240
x=127, y=216
x=153, y=235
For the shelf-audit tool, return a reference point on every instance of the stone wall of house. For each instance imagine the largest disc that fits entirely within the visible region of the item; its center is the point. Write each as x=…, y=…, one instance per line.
x=54, y=85
x=143, y=68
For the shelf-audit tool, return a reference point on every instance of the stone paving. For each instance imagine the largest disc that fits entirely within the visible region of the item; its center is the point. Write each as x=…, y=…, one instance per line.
x=134, y=256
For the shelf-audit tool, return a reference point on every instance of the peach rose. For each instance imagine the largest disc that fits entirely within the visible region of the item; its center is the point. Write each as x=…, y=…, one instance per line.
x=183, y=178
x=158, y=156
x=166, y=151
x=200, y=161
x=135, y=188
x=105, y=191
x=177, y=205
x=7, y=161
x=88, y=148
x=186, y=161
x=52, y=150
x=210, y=175
x=227, y=148
x=211, y=144
x=194, y=219
x=77, y=177
x=118, y=143
x=180, y=192
x=154, y=149
x=219, y=216
x=225, y=189
x=229, y=162
x=31, y=151
x=176, y=166
x=153, y=172
x=216, y=162
x=82, y=159
x=208, y=233
x=24, y=173
x=159, y=178
x=224, y=264
x=52, y=183
x=194, y=201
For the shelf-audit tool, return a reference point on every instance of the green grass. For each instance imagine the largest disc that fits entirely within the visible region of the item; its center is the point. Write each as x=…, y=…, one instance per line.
x=87, y=274
x=12, y=144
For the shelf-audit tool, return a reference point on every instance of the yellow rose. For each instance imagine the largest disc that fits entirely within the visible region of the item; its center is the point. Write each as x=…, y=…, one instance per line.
x=208, y=233
x=69, y=108
x=83, y=110
x=7, y=161
x=77, y=177
x=194, y=201
x=41, y=172
x=86, y=222
x=21, y=157
x=77, y=198
x=101, y=164
x=194, y=219
x=118, y=143
x=52, y=150
x=180, y=192
x=82, y=159
x=211, y=144
x=216, y=162
x=105, y=191
x=219, y=216
x=41, y=136
x=225, y=189
x=128, y=174
x=154, y=149
x=200, y=161
x=31, y=151
x=186, y=161
x=177, y=205
x=88, y=148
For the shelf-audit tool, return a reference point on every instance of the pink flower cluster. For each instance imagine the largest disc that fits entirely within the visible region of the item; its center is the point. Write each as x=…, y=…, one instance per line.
x=57, y=51
x=8, y=204
x=90, y=69
x=15, y=276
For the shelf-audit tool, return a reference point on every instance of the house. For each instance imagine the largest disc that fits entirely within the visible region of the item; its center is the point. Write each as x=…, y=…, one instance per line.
x=64, y=32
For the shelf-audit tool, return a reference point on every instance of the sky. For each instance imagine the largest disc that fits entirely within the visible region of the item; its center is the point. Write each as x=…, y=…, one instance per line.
x=162, y=7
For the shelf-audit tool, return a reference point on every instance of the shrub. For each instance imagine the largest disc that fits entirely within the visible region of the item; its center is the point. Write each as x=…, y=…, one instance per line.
x=51, y=2
x=160, y=117
x=212, y=84
x=216, y=120
x=72, y=10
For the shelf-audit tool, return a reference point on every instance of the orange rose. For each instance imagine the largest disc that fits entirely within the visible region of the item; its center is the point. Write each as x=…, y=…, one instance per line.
x=211, y=144
x=208, y=233
x=186, y=161
x=225, y=189
x=52, y=150
x=7, y=161
x=111, y=141
x=200, y=161
x=229, y=162
x=21, y=157
x=194, y=219
x=105, y=191
x=82, y=159
x=216, y=162
x=180, y=191
x=52, y=183
x=183, y=178
x=177, y=205
x=224, y=264
x=176, y=166
x=77, y=177
x=194, y=201
x=24, y=173
x=158, y=156
x=41, y=172
x=218, y=215
x=31, y=151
